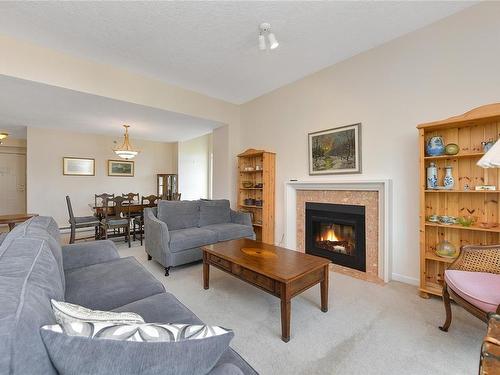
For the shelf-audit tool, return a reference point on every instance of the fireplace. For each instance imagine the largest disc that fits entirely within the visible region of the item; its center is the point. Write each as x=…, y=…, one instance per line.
x=337, y=232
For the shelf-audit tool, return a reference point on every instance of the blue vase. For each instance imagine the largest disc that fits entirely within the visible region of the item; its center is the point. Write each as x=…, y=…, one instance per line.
x=435, y=146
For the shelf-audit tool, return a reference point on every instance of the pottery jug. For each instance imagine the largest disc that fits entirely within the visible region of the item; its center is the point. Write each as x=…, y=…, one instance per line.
x=432, y=176
x=449, y=181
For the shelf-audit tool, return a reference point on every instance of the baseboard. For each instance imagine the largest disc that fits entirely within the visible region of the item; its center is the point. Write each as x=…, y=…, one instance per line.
x=405, y=279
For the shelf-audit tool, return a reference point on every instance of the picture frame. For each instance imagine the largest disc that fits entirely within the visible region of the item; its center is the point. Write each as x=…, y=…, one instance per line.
x=121, y=168
x=335, y=151
x=73, y=166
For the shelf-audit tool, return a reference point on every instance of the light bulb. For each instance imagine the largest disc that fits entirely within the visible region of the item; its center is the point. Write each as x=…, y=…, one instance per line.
x=262, y=42
x=273, y=43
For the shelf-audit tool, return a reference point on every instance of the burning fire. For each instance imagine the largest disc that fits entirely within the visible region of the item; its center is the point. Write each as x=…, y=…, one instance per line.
x=329, y=235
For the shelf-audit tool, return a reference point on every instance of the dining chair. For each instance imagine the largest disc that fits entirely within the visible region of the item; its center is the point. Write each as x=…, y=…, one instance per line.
x=473, y=280
x=146, y=202
x=176, y=196
x=99, y=203
x=77, y=222
x=116, y=217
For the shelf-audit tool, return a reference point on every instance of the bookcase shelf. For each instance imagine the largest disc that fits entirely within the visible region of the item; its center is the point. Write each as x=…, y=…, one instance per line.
x=467, y=131
x=263, y=174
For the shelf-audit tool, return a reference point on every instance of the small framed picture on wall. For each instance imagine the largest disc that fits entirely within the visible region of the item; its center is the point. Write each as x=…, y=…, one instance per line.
x=121, y=168
x=335, y=151
x=78, y=166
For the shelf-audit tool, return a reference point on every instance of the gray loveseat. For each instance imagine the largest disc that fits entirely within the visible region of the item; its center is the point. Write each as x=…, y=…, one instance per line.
x=175, y=230
x=35, y=268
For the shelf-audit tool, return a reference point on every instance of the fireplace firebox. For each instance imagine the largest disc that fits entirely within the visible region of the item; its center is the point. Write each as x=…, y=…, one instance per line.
x=337, y=232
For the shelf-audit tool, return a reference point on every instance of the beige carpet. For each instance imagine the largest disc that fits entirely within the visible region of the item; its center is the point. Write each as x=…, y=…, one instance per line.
x=369, y=329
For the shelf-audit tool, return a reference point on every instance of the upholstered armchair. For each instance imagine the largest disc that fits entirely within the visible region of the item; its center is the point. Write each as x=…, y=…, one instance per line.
x=473, y=280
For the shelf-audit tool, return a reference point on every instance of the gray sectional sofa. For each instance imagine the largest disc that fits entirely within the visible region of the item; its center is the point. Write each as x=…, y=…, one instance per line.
x=175, y=230
x=35, y=268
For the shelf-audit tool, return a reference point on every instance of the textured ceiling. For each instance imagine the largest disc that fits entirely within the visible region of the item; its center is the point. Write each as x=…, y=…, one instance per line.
x=26, y=103
x=211, y=47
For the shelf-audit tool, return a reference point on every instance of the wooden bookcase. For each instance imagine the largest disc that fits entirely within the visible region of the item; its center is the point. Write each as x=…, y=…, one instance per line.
x=467, y=131
x=257, y=168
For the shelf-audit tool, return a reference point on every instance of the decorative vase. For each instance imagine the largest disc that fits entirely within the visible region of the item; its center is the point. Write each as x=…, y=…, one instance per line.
x=451, y=149
x=446, y=249
x=435, y=146
x=449, y=181
x=432, y=176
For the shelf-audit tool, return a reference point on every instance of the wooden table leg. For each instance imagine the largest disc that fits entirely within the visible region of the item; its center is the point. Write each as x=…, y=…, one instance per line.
x=324, y=290
x=206, y=271
x=285, y=313
x=11, y=226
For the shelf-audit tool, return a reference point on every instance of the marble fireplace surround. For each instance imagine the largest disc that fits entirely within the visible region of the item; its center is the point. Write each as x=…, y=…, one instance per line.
x=375, y=195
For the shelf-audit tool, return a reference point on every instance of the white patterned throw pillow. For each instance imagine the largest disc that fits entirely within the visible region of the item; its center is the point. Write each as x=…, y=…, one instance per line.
x=145, y=332
x=68, y=313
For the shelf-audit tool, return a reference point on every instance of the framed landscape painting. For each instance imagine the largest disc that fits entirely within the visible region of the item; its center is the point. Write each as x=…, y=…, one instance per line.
x=78, y=166
x=121, y=168
x=335, y=151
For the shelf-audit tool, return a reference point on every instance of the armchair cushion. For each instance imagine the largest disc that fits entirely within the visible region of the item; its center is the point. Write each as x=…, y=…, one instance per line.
x=190, y=238
x=214, y=212
x=481, y=289
x=179, y=214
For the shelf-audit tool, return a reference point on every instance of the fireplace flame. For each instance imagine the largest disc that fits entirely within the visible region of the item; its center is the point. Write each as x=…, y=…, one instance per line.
x=329, y=235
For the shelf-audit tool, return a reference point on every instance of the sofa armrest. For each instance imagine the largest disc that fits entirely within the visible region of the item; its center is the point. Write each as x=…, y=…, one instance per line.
x=226, y=369
x=156, y=238
x=243, y=218
x=88, y=253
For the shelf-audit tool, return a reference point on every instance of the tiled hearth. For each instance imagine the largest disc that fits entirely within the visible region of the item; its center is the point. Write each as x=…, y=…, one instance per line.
x=368, y=199
x=374, y=195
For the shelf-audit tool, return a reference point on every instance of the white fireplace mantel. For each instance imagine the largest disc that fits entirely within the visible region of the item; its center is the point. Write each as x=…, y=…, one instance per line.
x=382, y=186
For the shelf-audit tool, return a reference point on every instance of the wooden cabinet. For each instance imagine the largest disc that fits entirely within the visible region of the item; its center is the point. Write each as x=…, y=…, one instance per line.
x=256, y=187
x=467, y=131
x=166, y=186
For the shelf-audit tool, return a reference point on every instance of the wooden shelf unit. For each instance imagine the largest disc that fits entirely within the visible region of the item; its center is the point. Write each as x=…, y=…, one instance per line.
x=262, y=216
x=467, y=131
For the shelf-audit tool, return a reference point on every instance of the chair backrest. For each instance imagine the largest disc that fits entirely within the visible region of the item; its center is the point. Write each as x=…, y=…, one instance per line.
x=131, y=196
x=176, y=196
x=150, y=200
x=102, y=197
x=120, y=206
x=70, y=210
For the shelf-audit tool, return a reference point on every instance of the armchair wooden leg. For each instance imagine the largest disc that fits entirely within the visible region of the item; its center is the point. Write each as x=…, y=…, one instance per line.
x=150, y=257
x=128, y=235
x=447, y=307
x=167, y=271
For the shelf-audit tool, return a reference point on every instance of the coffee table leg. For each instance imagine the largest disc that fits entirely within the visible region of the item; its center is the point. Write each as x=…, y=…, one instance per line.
x=285, y=313
x=206, y=271
x=324, y=290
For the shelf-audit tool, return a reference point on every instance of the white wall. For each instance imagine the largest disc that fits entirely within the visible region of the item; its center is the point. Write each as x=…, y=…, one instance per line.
x=194, y=167
x=47, y=187
x=440, y=71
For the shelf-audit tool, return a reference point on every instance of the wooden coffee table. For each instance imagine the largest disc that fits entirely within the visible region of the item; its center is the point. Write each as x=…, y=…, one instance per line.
x=281, y=272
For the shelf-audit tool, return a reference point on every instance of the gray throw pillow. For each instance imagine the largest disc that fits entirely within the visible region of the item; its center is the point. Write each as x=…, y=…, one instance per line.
x=120, y=349
x=214, y=212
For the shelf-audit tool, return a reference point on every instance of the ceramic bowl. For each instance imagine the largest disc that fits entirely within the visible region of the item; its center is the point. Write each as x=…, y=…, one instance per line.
x=447, y=220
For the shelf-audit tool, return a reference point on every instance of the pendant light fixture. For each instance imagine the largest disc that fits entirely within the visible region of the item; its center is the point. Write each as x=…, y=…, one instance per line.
x=126, y=151
x=265, y=30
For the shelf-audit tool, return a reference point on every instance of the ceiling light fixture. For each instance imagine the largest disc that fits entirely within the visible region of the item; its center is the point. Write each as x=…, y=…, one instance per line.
x=265, y=30
x=126, y=151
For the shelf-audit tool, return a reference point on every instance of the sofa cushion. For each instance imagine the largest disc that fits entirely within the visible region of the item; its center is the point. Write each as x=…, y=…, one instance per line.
x=179, y=214
x=230, y=231
x=481, y=289
x=166, y=308
x=29, y=278
x=3, y=236
x=189, y=238
x=111, y=284
x=214, y=212
x=98, y=355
